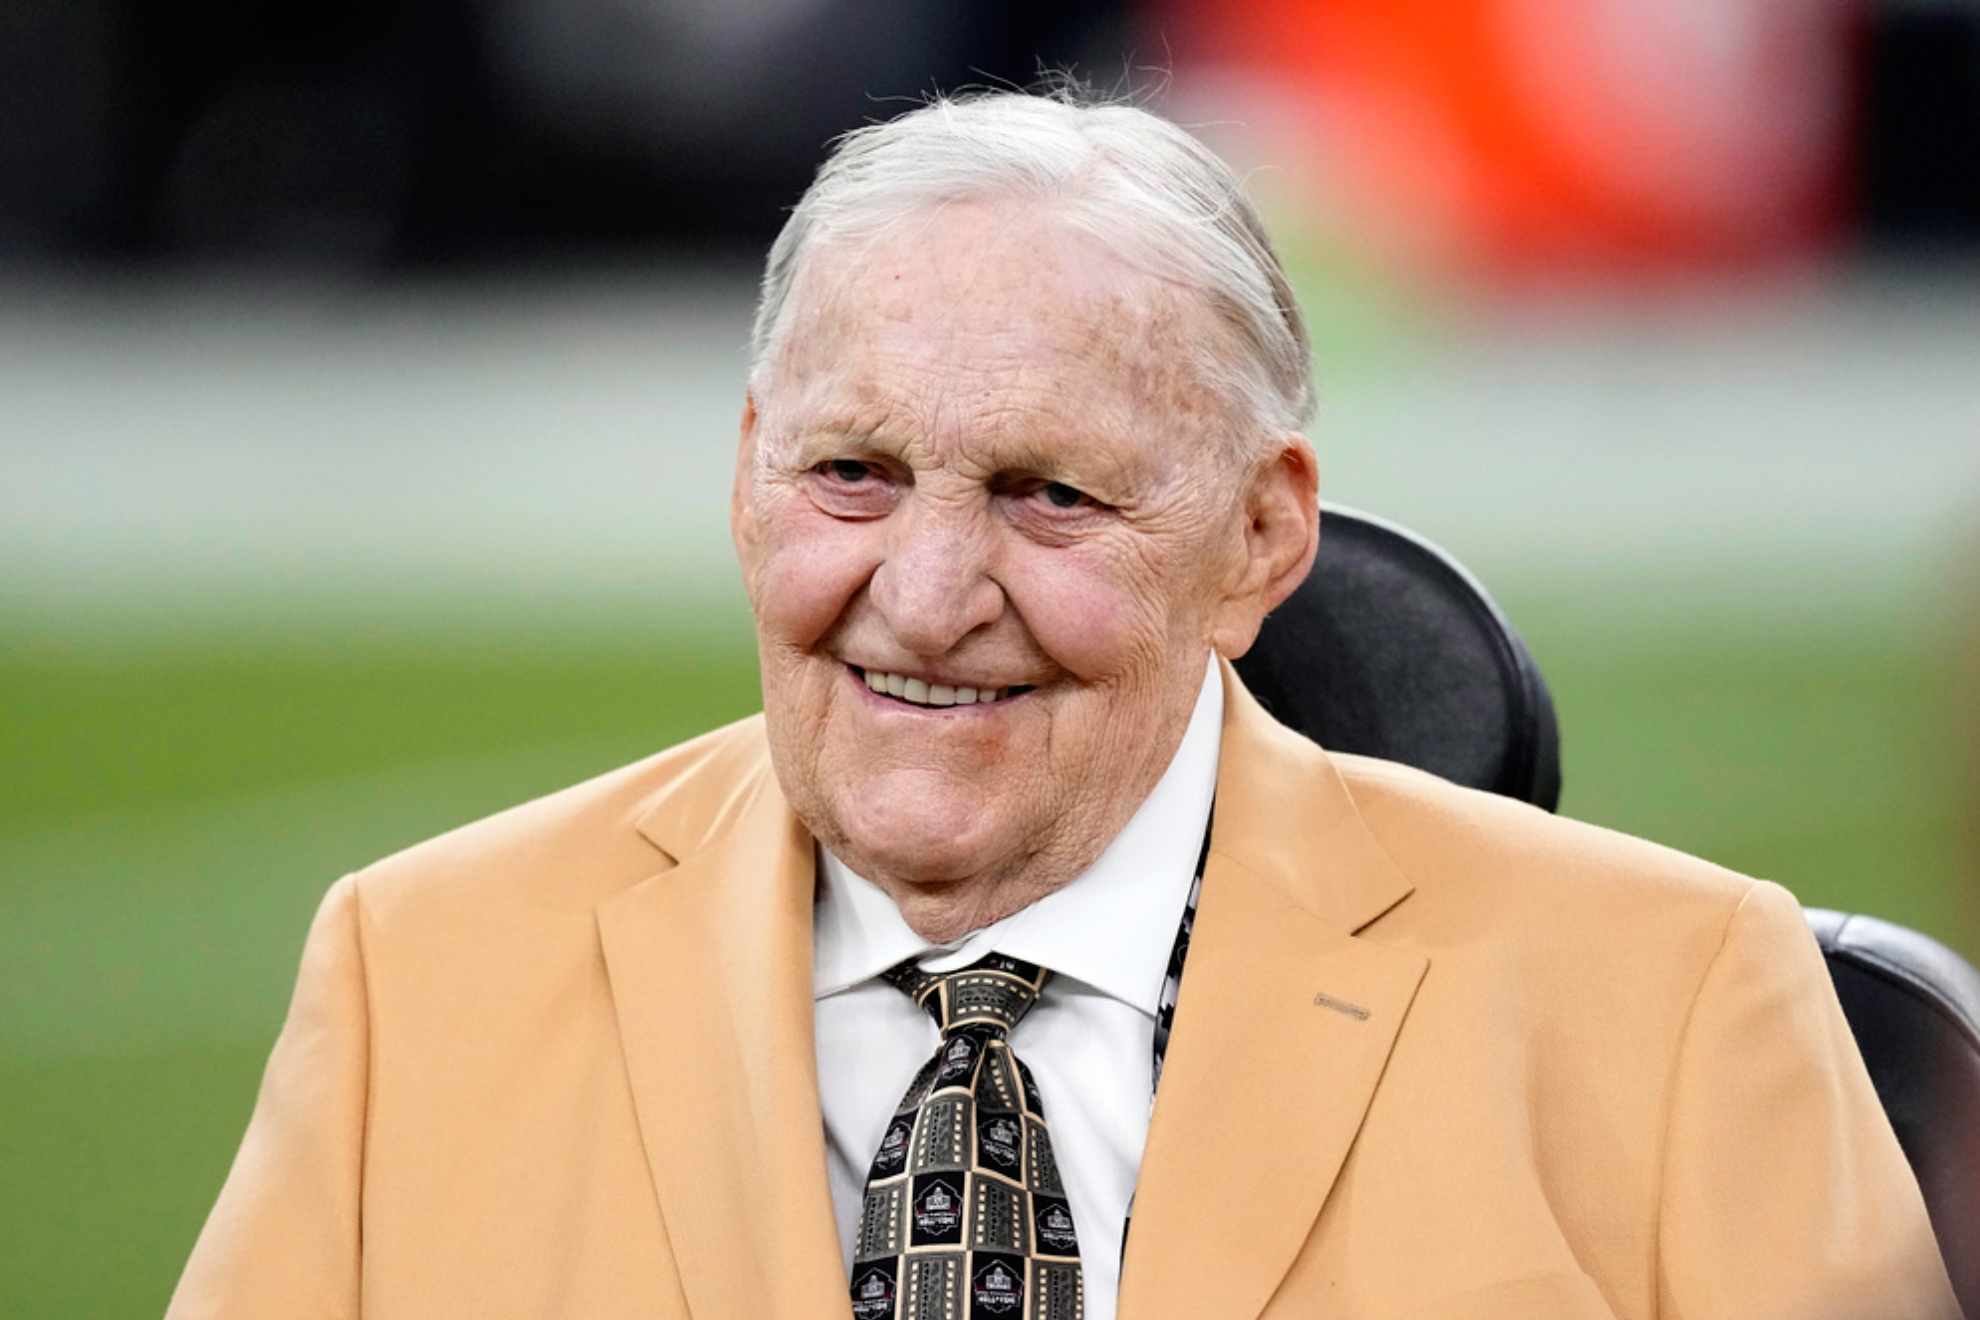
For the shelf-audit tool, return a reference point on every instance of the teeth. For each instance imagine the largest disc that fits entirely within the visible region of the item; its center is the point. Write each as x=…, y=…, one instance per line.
x=923, y=693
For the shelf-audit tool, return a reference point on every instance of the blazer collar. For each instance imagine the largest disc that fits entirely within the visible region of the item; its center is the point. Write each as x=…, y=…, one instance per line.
x=1285, y=814
x=1284, y=1026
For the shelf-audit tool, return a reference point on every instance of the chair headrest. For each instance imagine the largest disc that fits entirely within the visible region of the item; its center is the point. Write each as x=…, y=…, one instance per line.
x=1914, y=965
x=1390, y=648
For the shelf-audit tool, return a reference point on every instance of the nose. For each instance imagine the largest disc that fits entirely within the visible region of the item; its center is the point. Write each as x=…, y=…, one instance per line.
x=935, y=588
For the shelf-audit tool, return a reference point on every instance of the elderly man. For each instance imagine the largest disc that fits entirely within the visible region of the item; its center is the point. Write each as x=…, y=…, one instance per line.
x=941, y=990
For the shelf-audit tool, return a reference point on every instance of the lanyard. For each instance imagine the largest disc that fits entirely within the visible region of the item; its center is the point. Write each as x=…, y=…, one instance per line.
x=1165, y=1006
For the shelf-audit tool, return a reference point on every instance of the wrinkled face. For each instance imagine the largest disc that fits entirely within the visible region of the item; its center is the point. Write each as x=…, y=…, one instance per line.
x=988, y=533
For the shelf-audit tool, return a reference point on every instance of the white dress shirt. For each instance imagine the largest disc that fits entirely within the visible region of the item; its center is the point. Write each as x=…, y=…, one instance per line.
x=1088, y=1041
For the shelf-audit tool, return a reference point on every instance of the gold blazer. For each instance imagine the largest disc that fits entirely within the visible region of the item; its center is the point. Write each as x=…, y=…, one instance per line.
x=1438, y=1054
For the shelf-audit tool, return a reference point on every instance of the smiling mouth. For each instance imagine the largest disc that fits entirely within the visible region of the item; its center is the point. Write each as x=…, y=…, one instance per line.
x=912, y=691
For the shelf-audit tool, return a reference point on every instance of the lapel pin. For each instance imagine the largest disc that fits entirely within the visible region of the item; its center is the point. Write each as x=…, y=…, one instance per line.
x=1355, y=1011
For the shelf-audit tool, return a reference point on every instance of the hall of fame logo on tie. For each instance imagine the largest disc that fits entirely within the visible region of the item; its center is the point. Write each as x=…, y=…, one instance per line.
x=956, y=1060
x=998, y=1141
x=1055, y=1230
x=938, y=1211
x=998, y=1288
x=873, y=1295
x=893, y=1148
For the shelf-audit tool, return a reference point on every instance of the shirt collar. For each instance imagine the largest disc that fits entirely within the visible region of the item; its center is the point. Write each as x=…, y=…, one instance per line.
x=1112, y=927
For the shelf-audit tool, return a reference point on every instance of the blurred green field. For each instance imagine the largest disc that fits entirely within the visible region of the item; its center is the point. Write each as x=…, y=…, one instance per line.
x=177, y=798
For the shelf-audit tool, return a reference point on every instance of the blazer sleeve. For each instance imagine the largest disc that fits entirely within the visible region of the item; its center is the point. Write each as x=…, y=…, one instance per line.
x=1785, y=1193
x=286, y=1234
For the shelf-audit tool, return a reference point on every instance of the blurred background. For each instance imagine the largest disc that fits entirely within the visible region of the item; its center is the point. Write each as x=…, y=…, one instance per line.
x=369, y=374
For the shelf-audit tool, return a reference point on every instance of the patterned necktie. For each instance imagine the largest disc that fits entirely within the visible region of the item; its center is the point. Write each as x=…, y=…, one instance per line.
x=964, y=1214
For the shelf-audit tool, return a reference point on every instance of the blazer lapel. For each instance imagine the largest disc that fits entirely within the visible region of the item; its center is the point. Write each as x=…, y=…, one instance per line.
x=710, y=967
x=1285, y=1023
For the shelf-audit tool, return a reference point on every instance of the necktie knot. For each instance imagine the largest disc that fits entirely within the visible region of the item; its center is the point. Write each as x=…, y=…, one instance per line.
x=991, y=995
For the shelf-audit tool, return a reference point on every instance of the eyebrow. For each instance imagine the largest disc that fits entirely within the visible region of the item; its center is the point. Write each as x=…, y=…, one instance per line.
x=1012, y=450
x=812, y=434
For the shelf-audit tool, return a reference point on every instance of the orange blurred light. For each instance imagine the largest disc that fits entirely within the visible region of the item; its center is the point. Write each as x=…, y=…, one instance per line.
x=1525, y=135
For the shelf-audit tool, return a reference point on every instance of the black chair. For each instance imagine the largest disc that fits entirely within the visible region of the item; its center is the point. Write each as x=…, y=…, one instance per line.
x=1914, y=1005
x=1391, y=649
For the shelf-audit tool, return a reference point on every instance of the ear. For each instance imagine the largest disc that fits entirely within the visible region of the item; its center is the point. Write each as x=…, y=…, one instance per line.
x=742, y=519
x=1281, y=507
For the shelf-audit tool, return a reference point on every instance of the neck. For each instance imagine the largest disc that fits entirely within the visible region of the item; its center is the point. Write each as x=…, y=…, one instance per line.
x=943, y=914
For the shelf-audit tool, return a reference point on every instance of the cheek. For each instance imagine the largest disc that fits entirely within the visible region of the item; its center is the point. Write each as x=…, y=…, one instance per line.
x=810, y=568
x=1096, y=615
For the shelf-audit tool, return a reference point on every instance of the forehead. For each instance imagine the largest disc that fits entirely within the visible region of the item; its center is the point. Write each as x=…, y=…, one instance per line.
x=975, y=321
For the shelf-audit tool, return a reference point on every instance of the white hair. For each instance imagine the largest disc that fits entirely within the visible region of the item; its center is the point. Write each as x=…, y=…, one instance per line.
x=1150, y=190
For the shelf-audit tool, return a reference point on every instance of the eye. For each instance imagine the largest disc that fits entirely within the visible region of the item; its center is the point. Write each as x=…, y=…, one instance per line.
x=1045, y=498
x=853, y=488
x=1063, y=496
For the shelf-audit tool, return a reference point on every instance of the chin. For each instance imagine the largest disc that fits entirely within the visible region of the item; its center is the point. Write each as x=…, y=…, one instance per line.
x=950, y=843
